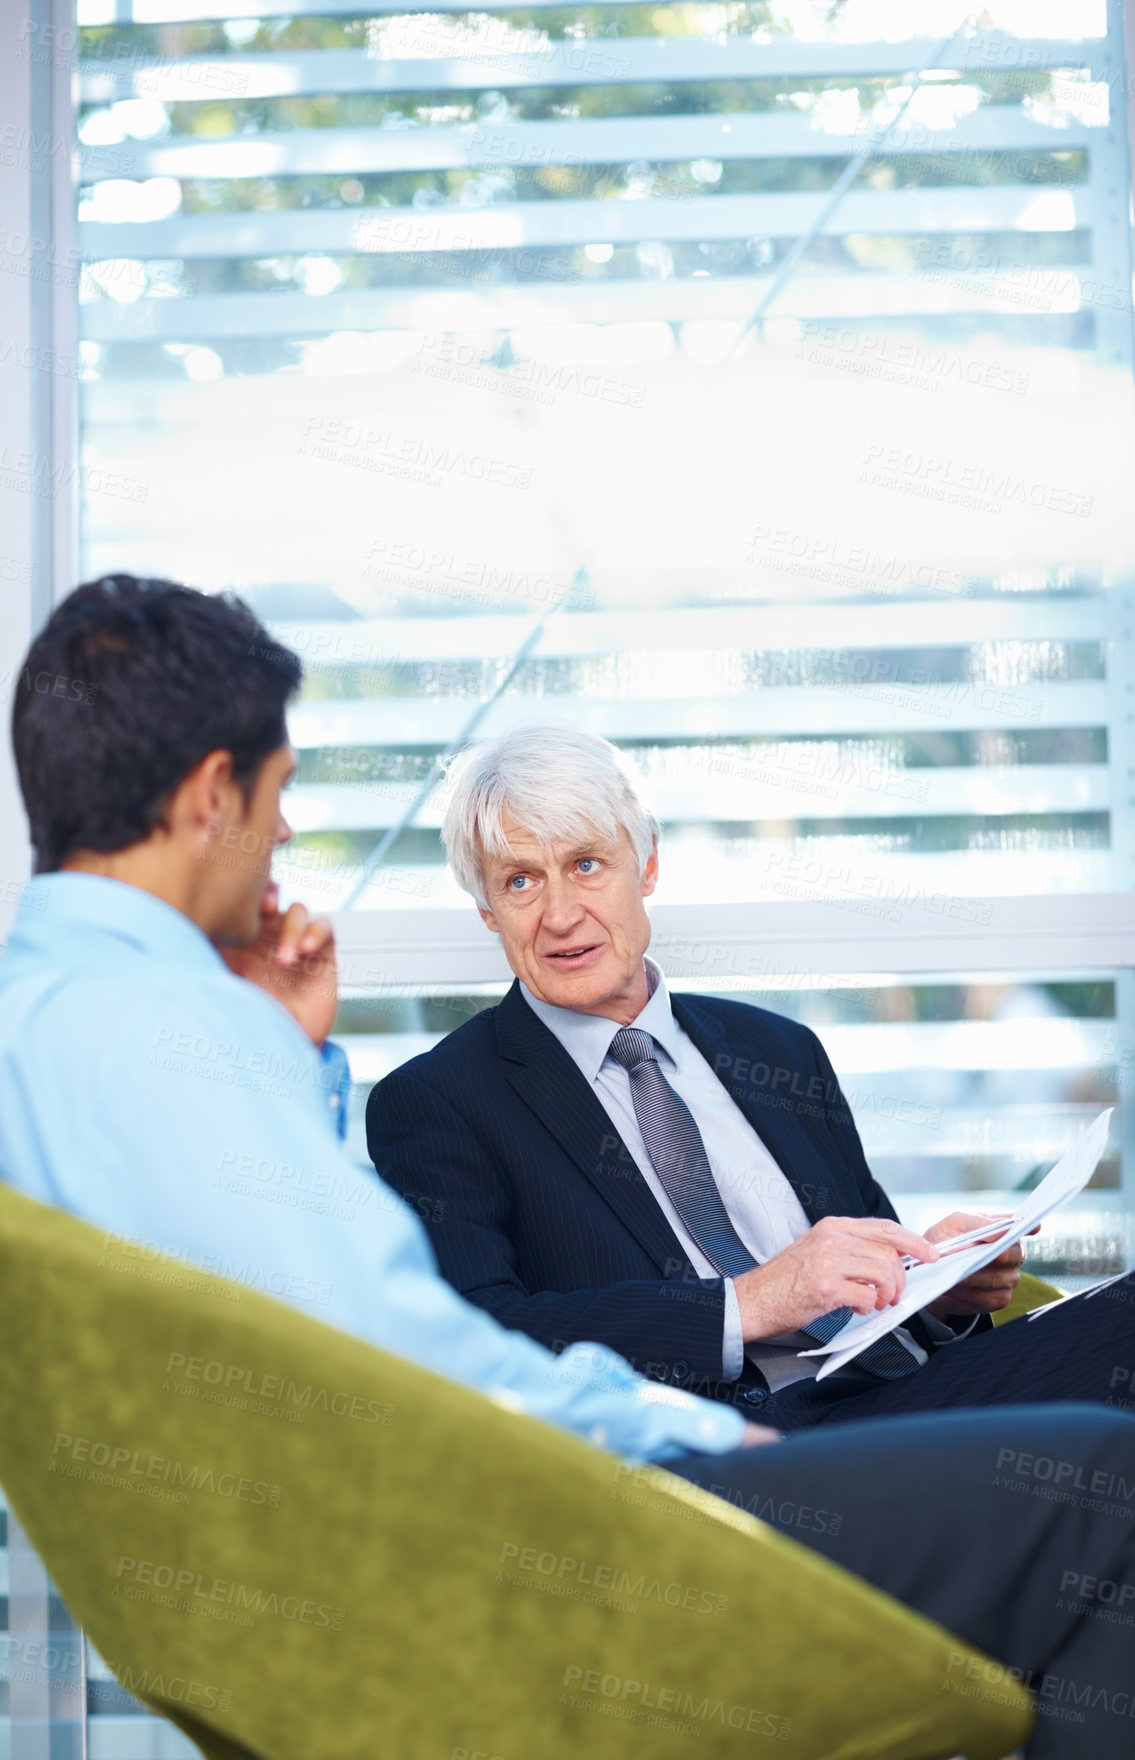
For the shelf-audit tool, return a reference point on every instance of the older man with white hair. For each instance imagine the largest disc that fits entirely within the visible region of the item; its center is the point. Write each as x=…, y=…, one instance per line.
x=678, y=1177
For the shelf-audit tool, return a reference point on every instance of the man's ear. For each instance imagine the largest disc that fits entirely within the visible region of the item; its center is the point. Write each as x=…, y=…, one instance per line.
x=650, y=872
x=488, y=919
x=204, y=800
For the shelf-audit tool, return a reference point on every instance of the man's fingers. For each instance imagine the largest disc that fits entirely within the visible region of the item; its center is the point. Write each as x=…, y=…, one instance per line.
x=860, y=1296
x=288, y=942
x=301, y=936
x=317, y=936
x=885, y=1272
x=892, y=1235
x=759, y=1435
x=988, y=1239
x=962, y=1222
x=991, y=1279
x=983, y=1298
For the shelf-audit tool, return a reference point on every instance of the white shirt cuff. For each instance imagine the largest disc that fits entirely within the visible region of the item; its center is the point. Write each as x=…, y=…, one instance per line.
x=940, y=1332
x=733, y=1345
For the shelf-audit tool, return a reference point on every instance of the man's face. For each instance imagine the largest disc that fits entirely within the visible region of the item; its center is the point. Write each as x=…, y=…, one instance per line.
x=249, y=835
x=572, y=921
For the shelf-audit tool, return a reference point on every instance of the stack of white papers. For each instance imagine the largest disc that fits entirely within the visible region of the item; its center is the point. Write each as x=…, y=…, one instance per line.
x=925, y=1283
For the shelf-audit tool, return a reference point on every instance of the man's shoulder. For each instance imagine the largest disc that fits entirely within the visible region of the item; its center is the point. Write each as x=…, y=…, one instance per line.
x=75, y=1009
x=742, y=1022
x=472, y=1045
x=104, y=1014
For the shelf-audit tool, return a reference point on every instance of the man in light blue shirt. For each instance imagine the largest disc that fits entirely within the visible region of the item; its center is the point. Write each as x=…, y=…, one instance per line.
x=165, y=1095
x=147, y=1089
x=164, y=1074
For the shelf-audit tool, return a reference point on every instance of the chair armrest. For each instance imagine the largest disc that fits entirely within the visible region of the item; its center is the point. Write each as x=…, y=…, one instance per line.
x=1031, y=1292
x=279, y=1535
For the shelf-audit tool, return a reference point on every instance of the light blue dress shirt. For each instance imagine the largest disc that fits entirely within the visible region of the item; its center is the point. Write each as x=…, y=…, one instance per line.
x=759, y=1199
x=147, y=1090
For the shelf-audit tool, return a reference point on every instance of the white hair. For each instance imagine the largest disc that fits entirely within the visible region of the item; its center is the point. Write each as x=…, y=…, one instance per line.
x=560, y=784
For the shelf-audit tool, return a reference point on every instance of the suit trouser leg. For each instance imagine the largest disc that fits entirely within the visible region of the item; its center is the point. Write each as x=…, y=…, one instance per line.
x=1013, y=1528
x=1082, y=1350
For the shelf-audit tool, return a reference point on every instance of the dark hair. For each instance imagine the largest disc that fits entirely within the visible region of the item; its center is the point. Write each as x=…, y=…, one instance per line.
x=127, y=687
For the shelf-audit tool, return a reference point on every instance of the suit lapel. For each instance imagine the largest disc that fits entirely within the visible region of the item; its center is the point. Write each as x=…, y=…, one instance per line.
x=785, y=1120
x=547, y=1080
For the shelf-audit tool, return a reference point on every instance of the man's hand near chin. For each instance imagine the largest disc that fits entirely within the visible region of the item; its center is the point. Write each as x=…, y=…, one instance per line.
x=293, y=959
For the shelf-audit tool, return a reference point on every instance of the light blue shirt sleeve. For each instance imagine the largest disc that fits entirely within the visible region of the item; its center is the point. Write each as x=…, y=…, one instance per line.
x=337, y=1076
x=193, y=1115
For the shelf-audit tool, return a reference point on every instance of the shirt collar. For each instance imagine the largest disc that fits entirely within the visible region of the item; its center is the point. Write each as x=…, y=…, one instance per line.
x=90, y=907
x=587, y=1037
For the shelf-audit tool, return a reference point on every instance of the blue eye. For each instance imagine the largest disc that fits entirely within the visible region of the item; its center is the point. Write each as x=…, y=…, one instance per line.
x=518, y=882
x=588, y=864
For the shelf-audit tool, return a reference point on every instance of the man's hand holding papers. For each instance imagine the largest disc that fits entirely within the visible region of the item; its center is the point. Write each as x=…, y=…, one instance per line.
x=856, y=1262
x=984, y=1291
x=930, y=1283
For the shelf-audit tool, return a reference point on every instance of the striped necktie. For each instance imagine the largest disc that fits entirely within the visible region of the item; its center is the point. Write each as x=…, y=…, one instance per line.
x=677, y=1154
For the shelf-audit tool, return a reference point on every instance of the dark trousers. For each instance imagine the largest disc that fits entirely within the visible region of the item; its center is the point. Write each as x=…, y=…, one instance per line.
x=1013, y=1528
x=1082, y=1350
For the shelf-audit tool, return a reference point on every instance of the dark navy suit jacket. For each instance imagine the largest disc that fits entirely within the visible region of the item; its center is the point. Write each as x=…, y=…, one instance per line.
x=537, y=1210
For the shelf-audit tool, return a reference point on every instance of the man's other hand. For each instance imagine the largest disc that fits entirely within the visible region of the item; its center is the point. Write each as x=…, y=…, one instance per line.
x=988, y=1290
x=842, y=1262
x=757, y=1435
x=293, y=959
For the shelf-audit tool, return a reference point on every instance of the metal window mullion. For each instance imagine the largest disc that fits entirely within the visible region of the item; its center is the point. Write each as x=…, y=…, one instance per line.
x=53, y=318
x=1107, y=290
x=38, y=392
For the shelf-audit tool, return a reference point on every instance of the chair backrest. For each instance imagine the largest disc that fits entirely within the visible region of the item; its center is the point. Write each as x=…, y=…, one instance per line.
x=293, y=1544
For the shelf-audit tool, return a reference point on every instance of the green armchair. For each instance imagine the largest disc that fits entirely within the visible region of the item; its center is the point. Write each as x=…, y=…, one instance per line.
x=295, y=1546
x=1031, y=1292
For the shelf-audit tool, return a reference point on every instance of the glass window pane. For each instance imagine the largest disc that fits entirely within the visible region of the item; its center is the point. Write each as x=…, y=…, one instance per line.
x=748, y=383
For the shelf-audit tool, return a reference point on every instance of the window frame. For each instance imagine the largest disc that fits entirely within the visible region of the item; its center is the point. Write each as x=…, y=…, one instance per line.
x=39, y=404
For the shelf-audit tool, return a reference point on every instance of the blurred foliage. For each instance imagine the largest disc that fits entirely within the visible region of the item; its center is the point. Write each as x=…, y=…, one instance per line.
x=365, y=764
x=973, y=169
x=362, y=765
x=428, y=107
x=815, y=840
x=341, y=853
x=726, y=672
x=892, y=751
x=500, y=266
x=1090, y=999
x=735, y=672
x=556, y=24
x=675, y=180
x=413, y=1014
x=849, y=1005
x=826, y=840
